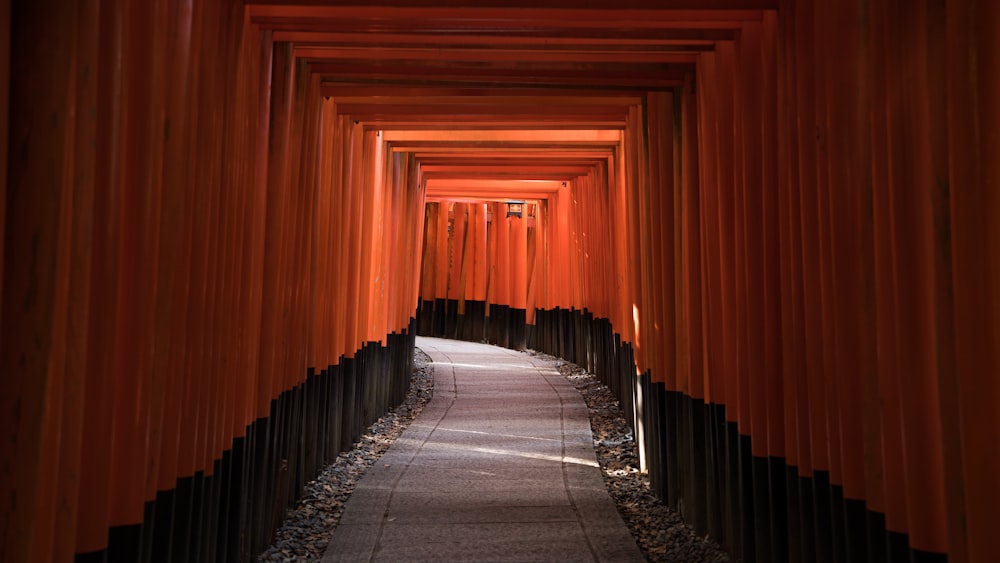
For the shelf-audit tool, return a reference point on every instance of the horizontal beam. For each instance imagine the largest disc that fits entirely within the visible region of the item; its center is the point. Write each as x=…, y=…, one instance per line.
x=498, y=171
x=408, y=14
x=341, y=88
x=596, y=37
x=505, y=136
x=676, y=54
x=510, y=74
x=484, y=123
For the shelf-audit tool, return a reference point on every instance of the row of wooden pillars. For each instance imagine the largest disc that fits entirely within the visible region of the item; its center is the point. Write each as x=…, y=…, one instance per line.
x=785, y=268
x=794, y=247
x=476, y=264
x=197, y=313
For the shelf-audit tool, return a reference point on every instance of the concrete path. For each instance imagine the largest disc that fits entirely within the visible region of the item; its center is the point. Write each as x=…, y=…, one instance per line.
x=499, y=466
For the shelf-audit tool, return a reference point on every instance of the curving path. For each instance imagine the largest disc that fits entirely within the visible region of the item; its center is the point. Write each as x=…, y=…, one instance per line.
x=499, y=466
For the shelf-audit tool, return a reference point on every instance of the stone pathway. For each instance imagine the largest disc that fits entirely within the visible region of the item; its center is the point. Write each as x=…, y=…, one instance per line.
x=499, y=466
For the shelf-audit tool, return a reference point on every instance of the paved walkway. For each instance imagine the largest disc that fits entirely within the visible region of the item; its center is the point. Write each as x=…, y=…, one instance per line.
x=499, y=466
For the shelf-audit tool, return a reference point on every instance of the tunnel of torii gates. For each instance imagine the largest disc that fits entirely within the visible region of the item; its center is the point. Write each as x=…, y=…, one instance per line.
x=769, y=226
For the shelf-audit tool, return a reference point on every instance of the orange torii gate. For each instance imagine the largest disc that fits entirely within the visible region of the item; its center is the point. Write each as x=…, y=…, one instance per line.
x=767, y=225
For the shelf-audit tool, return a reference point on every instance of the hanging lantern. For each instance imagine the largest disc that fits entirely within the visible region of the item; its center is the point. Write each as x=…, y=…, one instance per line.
x=514, y=208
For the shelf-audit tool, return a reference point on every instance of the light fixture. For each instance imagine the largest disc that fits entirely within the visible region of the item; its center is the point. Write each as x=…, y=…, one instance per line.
x=514, y=208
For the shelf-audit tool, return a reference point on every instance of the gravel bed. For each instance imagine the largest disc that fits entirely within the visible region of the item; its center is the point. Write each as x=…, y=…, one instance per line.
x=307, y=530
x=659, y=531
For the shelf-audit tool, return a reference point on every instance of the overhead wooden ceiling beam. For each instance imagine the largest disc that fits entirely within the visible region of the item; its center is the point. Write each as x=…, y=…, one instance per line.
x=487, y=97
x=677, y=54
x=401, y=14
x=461, y=138
x=509, y=74
x=660, y=37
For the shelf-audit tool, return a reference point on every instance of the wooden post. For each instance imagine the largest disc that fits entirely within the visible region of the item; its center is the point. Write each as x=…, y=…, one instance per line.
x=972, y=84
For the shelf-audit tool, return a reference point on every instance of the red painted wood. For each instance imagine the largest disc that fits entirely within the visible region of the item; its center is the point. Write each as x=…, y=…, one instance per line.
x=708, y=219
x=38, y=189
x=910, y=190
x=753, y=270
x=78, y=288
x=786, y=213
x=844, y=204
x=896, y=507
x=282, y=77
x=519, y=262
x=796, y=449
x=662, y=227
x=866, y=329
x=691, y=340
x=972, y=63
x=5, y=56
x=726, y=225
x=772, y=406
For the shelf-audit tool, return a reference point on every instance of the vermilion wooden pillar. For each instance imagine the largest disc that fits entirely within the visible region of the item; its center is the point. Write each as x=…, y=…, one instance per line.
x=36, y=262
x=282, y=77
x=263, y=54
x=910, y=189
x=170, y=309
x=707, y=219
x=577, y=289
x=660, y=213
x=725, y=225
x=457, y=246
x=795, y=405
x=534, y=262
x=351, y=184
x=865, y=119
x=973, y=65
x=370, y=199
x=708, y=189
x=601, y=302
x=478, y=253
x=845, y=177
x=138, y=211
x=323, y=250
x=441, y=276
x=5, y=17
x=307, y=111
x=504, y=272
x=95, y=491
x=410, y=203
x=342, y=192
x=887, y=351
x=327, y=251
x=519, y=262
x=429, y=261
x=828, y=514
x=632, y=147
x=618, y=211
x=691, y=374
x=600, y=237
x=77, y=305
x=770, y=425
x=558, y=261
